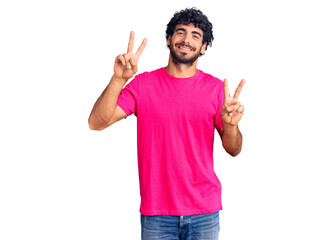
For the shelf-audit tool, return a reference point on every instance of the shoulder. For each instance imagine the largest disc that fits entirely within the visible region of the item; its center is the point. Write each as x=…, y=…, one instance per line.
x=147, y=78
x=149, y=74
x=210, y=78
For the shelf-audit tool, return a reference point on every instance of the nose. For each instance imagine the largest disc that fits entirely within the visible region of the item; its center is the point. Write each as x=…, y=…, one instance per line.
x=187, y=37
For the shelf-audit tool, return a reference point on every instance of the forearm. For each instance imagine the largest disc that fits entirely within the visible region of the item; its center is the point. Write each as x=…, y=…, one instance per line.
x=232, y=140
x=106, y=104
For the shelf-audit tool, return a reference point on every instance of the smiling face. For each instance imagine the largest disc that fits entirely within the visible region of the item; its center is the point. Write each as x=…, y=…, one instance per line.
x=186, y=44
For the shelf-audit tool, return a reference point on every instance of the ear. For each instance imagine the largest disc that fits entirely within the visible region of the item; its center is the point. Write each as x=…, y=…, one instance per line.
x=203, y=48
x=169, y=40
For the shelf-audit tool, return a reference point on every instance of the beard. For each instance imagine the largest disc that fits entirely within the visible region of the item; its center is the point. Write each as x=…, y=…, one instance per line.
x=182, y=59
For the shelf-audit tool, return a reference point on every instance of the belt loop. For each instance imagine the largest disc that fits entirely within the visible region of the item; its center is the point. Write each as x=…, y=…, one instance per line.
x=180, y=223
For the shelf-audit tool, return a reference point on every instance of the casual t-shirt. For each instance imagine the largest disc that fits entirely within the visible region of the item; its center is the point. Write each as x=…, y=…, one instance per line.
x=175, y=135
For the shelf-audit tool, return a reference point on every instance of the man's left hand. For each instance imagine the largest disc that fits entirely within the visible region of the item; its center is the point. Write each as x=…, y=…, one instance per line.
x=232, y=111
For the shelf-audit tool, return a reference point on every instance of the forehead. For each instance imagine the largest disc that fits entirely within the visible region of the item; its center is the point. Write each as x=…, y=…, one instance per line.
x=190, y=27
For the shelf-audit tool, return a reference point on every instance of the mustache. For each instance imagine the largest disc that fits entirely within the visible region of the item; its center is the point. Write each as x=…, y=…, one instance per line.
x=183, y=44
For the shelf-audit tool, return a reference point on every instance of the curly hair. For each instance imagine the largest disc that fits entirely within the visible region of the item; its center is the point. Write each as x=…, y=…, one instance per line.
x=197, y=18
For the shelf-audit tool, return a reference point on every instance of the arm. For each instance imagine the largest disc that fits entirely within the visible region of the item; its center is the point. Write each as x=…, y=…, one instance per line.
x=231, y=113
x=106, y=111
x=105, y=106
x=231, y=140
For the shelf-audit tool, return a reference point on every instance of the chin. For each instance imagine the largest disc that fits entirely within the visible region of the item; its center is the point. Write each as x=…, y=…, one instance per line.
x=182, y=57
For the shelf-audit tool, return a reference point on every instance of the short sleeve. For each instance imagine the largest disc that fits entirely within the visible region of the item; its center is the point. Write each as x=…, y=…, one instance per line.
x=220, y=99
x=127, y=99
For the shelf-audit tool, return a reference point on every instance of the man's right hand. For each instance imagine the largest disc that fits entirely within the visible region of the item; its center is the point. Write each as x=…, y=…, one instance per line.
x=125, y=65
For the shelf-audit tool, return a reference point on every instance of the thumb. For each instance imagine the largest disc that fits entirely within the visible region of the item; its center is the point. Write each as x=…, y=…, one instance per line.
x=133, y=62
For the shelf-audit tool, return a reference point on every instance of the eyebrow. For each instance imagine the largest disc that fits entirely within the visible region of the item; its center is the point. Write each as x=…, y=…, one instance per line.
x=195, y=32
x=183, y=29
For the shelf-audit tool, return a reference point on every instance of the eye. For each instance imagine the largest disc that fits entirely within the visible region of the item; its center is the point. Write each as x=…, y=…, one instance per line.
x=196, y=37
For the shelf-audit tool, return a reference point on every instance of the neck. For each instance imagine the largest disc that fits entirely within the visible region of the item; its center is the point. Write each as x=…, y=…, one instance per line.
x=181, y=70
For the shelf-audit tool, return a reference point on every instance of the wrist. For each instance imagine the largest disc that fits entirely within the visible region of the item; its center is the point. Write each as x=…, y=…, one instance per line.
x=119, y=80
x=230, y=128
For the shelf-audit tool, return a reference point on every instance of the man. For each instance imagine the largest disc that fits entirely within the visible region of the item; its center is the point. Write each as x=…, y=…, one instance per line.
x=177, y=108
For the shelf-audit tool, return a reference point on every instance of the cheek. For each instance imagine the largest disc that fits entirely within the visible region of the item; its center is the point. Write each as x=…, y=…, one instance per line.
x=203, y=48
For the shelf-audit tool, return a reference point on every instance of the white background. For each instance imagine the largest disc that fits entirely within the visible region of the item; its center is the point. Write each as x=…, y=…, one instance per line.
x=61, y=180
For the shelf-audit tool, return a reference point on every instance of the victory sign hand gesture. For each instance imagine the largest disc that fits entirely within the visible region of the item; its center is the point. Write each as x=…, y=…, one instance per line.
x=125, y=65
x=232, y=111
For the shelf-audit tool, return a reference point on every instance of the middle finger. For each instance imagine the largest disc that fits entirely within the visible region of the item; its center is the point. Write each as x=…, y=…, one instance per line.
x=131, y=42
x=239, y=89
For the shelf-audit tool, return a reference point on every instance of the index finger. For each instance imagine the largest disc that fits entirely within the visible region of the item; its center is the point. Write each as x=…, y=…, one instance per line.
x=239, y=89
x=131, y=42
x=142, y=47
x=225, y=89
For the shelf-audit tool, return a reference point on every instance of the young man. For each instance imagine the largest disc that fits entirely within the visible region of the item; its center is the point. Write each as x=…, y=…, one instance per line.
x=177, y=108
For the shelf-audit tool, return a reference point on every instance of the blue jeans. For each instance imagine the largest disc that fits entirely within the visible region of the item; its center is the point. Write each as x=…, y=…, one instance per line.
x=190, y=227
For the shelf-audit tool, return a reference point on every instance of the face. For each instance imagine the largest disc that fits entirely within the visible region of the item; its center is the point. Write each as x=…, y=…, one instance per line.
x=186, y=44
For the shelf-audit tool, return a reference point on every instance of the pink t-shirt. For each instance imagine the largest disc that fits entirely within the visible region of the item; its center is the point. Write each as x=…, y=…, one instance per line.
x=175, y=136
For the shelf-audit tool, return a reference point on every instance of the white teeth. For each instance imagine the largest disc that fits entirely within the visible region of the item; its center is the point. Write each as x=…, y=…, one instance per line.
x=186, y=49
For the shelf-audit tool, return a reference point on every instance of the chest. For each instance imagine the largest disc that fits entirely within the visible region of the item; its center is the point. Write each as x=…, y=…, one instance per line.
x=170, y=104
